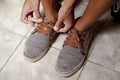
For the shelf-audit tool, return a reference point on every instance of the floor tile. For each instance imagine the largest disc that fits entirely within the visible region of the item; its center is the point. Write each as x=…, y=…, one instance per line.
x=106, y=51
x=30, y=31
x=59, y=41
x=10, y=18
x=8, y=43
x=19, y=69
x=79, y=10
x=14, y=1
x=96, y=72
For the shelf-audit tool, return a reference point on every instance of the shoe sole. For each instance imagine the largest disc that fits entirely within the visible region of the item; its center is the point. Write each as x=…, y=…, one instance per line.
x=36, y=58
x=70, y=73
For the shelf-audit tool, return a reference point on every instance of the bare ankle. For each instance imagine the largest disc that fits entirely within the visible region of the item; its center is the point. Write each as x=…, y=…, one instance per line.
x=82, y=25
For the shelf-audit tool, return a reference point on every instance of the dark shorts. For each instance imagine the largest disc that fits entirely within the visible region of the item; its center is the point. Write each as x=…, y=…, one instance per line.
x=115, y=11
x=116, y=6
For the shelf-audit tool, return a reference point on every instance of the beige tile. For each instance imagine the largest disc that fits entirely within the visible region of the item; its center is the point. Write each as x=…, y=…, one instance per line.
x=106, y=51
x=96, y=72
x=79, y=10
x=19, y=69
x=83, y=2
x=14, y=1
x=59, y=41
x=10, y=18
x=8, y=43
x=30, y=31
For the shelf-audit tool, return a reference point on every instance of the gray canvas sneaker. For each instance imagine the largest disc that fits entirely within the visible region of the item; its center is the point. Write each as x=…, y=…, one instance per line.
x=74, y=52
x=39, y=42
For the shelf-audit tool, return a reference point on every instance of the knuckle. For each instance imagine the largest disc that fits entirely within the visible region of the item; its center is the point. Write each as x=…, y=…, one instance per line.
x=22, y=20
x=65, y=31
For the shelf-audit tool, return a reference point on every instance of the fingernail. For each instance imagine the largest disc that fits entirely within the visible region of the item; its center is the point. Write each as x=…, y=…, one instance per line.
x=39, y=20
x=55, y=28
x=36, y=24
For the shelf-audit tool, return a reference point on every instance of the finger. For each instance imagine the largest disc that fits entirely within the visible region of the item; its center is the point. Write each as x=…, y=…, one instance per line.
x=35, y=20
x=26, y=21
x=36, y=24
x=58, y=25
x=23, y=18
x=66, y=28
x=29, y=19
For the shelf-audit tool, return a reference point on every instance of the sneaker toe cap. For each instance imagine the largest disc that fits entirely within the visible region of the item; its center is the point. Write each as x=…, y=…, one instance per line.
x=32, y=52
x=68, y=60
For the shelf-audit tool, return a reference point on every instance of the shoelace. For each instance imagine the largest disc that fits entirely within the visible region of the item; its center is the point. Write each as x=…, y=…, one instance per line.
x=45, y=27
x=75, y=39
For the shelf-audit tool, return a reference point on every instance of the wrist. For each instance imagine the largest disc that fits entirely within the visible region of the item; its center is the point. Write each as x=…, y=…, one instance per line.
x=82, y=25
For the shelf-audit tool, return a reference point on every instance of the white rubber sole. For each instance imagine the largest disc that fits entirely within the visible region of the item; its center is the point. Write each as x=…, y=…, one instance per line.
x=35, y=59
x=70, y=73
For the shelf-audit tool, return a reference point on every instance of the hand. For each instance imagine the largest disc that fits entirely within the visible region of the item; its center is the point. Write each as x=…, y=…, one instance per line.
x=66, y=24
x=65, y=16
x=30, y=7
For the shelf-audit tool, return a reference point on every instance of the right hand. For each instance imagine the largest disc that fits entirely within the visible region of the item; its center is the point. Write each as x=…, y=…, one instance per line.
x=65, y=16
x=30, y=7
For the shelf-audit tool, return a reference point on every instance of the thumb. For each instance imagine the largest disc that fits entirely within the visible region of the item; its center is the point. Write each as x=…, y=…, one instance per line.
x=37, y=14
x=59, y=24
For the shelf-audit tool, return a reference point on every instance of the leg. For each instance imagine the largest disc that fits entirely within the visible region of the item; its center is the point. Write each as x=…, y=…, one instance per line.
x=51, y=8
x=95, y=9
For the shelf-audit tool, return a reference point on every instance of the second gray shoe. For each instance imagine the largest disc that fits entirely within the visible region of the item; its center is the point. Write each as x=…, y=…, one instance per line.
x=39, y=42
x=74, y=52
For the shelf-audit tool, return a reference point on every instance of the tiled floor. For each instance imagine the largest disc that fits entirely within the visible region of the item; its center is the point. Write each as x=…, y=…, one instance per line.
x=103, y=61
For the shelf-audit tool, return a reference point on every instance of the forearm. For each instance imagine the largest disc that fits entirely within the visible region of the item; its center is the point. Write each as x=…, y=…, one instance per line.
x=66, y=8
x=95, y=9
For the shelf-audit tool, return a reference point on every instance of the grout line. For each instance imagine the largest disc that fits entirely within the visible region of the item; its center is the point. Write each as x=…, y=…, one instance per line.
x=11, y=54
x=26, y=36
x=97, y=65
x=13, y=32
x=81, y=72
x=56, y=48
x=15, y=48
x=107, y=20
x=102, y=66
